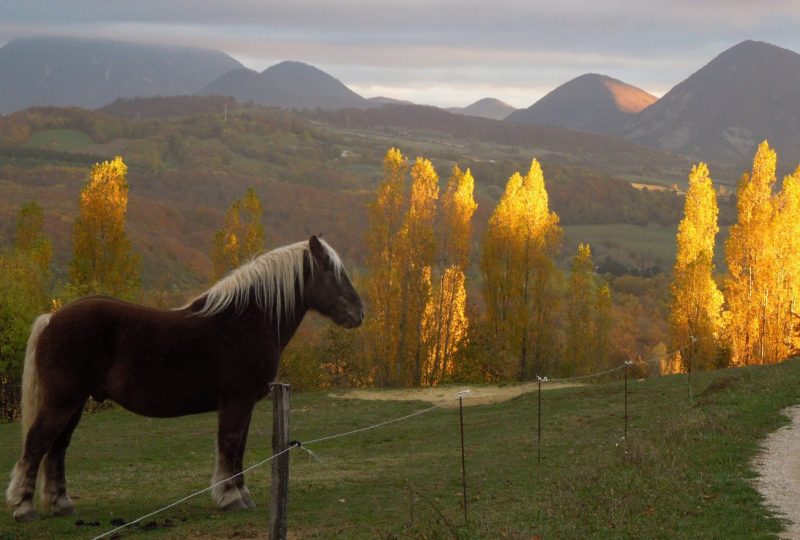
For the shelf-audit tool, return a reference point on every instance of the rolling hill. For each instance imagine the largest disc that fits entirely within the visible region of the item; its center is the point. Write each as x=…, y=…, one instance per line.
x=599, y=152
x=485, y=108
x=591, y=102
x=91, y=73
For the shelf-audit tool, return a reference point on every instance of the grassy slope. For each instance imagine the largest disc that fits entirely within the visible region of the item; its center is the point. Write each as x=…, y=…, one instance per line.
x=686, y=474
x=655, y=240
x=65, y=140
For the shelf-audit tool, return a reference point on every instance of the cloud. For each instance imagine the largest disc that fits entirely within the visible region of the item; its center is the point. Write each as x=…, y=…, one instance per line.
x=445, y=49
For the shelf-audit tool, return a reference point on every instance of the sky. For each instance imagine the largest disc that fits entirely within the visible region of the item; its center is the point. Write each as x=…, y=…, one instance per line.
x=436, y=52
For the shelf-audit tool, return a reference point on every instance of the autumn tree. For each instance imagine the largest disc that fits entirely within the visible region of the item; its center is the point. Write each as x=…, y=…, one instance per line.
x=385, y=267
x=445, y=321
x=103, y=260
x=782, y=321
x=520, y=279
x=696, y=302
x=417, y=250
x=757, y=263
x=241, y=236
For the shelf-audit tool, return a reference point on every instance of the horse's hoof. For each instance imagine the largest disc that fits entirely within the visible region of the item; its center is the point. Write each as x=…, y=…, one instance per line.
x=26, y=516
x=236, y=504
x=66, y=511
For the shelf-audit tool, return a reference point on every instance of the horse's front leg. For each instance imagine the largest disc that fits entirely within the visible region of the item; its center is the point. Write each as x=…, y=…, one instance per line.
x=234, y=418
x=243, y=491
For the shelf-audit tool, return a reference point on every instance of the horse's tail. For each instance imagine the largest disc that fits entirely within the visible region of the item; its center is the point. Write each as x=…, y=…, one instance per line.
x=31, y=390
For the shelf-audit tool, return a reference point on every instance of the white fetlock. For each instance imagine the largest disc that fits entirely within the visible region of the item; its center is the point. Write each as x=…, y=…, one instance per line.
x=25, y=512
x=15, y=492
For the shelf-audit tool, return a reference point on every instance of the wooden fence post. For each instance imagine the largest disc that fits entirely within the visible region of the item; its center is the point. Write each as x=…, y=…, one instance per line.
x=279, y=493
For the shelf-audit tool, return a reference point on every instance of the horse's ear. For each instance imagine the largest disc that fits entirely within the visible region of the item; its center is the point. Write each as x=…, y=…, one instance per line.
x=317, y=250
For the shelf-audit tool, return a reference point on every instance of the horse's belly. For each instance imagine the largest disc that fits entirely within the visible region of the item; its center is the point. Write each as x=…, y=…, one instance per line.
x=160, y=407
x=160, y=396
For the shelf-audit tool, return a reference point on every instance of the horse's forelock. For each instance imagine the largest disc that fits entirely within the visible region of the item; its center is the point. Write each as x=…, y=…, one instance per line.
x=336, y=261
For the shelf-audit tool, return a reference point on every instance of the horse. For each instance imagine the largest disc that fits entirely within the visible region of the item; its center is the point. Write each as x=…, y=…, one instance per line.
x=219, y=352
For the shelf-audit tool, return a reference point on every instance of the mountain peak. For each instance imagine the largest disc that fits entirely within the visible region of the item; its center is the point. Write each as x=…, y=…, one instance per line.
x=747, y=93
x=589, y=102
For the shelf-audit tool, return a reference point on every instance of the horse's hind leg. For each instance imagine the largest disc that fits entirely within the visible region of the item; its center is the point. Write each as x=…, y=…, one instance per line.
x=54, y=490
x=243, y=491
x=48, y=426
x=234, y=417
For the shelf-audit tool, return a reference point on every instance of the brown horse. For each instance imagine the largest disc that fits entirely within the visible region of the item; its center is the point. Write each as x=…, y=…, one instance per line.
x=220, y=352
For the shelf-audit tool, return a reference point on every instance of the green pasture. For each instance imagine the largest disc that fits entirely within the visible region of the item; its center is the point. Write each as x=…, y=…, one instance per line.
x=683, y=472
x=63, y=140
x=653, y=240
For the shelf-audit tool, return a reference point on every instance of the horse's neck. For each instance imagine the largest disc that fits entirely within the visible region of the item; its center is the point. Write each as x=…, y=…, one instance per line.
x=285, y=326
x=288, y=325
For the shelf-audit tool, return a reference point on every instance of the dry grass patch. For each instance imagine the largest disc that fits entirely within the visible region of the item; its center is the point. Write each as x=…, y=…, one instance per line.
x=448, y=395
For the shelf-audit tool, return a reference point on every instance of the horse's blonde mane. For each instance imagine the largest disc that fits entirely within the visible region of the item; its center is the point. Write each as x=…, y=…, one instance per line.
x=271, y=276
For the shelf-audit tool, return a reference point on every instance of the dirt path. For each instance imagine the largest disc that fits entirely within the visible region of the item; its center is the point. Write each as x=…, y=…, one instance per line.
x=778, y=465
x=448, y=395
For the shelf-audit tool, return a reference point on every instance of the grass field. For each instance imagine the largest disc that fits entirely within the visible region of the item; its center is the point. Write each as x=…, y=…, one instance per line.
x=654, y=240
x=686, y=473
x=65, y=140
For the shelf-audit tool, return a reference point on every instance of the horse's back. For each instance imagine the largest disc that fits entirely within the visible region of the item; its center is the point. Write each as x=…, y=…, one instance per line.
x=135, y=355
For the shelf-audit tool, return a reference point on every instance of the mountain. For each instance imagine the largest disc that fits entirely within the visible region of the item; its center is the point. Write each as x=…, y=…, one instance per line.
x=485, y=108
x=91, y=73
x=591, y=102
x=749, y=93
x=289, y=85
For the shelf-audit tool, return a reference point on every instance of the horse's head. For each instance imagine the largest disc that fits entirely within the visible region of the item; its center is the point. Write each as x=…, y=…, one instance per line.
x=329, y=290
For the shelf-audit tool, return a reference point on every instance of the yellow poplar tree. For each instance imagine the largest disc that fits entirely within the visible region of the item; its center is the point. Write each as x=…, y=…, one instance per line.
x=242, y=235
x=417, y=253
x=103, y=261
x=499, y=261
x=385, y=266
x=696, y=302
x=747, y=252
x=783, y=321
x=445, y=322
x=519, y=272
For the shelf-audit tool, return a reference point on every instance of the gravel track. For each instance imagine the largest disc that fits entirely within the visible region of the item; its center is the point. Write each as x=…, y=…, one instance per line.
x=778, y=466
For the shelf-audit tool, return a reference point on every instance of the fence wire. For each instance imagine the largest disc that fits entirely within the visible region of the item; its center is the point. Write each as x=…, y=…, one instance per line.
x=466, y=394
